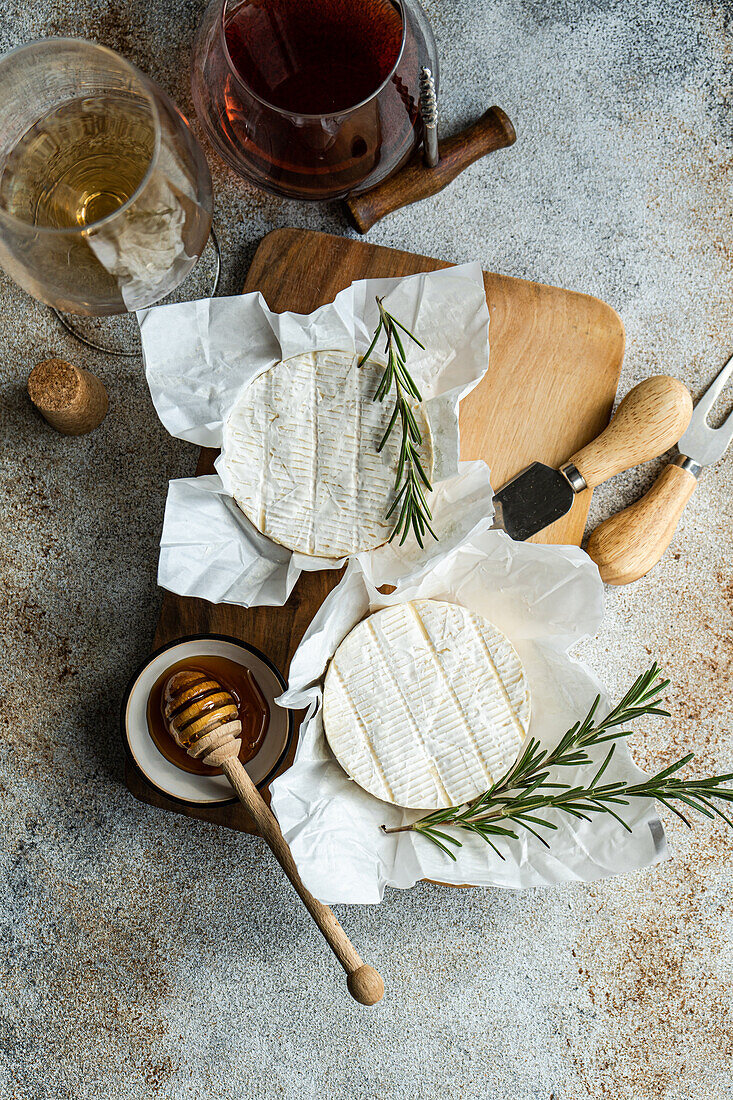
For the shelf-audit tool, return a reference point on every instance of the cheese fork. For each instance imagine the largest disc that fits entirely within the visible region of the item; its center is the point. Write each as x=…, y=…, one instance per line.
x=629, y=544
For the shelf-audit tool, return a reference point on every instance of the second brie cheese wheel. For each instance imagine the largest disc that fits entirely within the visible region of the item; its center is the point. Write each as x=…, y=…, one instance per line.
x=301, y=453
x=425, y=704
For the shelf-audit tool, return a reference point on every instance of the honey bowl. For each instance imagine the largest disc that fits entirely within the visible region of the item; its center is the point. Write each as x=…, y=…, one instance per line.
x=241, y=668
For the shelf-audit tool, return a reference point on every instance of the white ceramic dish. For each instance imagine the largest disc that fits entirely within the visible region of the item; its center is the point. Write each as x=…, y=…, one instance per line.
x=164, y=775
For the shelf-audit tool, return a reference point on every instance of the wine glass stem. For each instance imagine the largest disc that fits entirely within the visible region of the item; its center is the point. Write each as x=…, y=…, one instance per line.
x=71, y=328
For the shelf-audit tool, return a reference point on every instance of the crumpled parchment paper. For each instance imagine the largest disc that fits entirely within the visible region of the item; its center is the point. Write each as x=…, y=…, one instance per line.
x=199, y=357
x=544, y=598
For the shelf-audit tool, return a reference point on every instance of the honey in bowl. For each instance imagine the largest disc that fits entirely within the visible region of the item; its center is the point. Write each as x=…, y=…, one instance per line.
x=252, y=710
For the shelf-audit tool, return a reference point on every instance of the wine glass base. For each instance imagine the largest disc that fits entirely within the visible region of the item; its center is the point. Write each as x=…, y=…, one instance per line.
x=73, y=330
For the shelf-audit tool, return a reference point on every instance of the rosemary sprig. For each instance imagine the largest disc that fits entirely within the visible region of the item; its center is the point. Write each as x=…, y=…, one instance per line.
x=526, y=791
x=414, y=511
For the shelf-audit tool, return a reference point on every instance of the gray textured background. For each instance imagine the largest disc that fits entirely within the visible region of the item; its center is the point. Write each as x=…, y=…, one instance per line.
x=149, y=956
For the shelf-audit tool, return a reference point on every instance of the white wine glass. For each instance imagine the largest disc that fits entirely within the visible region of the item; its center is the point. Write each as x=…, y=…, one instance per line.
x=105, y=194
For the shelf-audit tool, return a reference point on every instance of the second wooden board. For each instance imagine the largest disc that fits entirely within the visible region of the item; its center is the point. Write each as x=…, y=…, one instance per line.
x=554, y=366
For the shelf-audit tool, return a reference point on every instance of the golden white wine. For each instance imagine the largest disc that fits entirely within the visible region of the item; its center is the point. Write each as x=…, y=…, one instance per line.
x=105, y=194
x=80, y=162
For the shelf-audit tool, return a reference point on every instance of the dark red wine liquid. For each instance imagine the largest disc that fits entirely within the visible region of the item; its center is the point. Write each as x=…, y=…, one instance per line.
x=314, y=57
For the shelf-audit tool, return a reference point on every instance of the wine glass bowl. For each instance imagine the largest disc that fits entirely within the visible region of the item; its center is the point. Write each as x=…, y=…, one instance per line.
x=105, y=194
x=312, y=99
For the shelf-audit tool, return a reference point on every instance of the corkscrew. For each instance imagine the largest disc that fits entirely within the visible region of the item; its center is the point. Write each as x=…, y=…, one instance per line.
x=439, y=164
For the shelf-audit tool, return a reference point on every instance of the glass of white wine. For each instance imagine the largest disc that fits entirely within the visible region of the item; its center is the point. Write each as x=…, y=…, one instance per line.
x=105, y=194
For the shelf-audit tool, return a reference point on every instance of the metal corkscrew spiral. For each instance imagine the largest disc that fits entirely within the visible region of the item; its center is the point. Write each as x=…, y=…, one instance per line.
x=429, y=112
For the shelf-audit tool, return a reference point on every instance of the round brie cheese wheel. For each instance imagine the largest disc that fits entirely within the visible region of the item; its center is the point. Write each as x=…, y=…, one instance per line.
x=425, y=704
x=301, y=454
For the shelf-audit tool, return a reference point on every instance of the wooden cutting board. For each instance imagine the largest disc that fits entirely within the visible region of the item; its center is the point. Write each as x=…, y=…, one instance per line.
x=554, y=366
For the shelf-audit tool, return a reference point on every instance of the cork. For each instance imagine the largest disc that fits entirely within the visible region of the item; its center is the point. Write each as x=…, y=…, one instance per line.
x=71, y=399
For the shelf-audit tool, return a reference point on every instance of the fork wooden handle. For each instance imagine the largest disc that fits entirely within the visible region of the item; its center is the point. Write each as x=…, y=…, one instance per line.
x=626, y=546
x=364, y=982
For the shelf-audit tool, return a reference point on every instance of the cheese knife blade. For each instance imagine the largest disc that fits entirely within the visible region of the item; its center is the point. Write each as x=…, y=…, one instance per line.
x=534, y=499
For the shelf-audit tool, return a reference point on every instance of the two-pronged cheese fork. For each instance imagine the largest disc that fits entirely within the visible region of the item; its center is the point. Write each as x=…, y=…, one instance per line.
x=626, y=546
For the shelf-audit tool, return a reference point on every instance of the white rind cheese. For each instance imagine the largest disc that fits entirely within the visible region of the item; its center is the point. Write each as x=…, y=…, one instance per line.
x=425, y=704
x=301, y=454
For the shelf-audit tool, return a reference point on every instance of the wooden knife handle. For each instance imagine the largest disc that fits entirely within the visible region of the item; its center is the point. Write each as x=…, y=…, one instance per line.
x=364, y=983
x=492, y=131
x=649, y=420
x=626, y=546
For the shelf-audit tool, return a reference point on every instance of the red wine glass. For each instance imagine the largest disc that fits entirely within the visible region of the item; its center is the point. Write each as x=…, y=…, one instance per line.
x=312, y=99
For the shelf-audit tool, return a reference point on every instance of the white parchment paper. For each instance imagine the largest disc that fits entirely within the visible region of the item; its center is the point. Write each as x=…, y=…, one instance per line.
x=544, y=598
x=199, y=357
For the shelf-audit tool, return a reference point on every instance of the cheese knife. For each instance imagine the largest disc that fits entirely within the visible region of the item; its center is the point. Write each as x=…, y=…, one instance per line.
x=626, y=546
x=649, y=420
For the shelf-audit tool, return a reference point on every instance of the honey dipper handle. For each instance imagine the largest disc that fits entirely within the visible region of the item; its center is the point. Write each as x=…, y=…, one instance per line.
x=365, y=984
x=491, y=132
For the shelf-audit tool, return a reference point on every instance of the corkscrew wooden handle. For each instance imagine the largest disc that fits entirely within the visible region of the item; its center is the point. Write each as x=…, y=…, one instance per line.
x=364, y=983
x=626, y=546
x=491, y=132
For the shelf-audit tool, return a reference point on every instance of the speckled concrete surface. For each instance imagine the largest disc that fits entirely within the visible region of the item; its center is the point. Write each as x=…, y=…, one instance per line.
x=149, y=956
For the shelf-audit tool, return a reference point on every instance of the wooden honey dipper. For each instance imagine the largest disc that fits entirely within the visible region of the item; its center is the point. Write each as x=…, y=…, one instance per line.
x=202, y=718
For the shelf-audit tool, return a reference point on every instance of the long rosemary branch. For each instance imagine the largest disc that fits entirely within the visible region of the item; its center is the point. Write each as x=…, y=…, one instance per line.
x=414, y=512
x=522, y=796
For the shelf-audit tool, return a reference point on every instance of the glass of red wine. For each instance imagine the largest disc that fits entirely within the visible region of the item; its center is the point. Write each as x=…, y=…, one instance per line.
x=313, y=99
